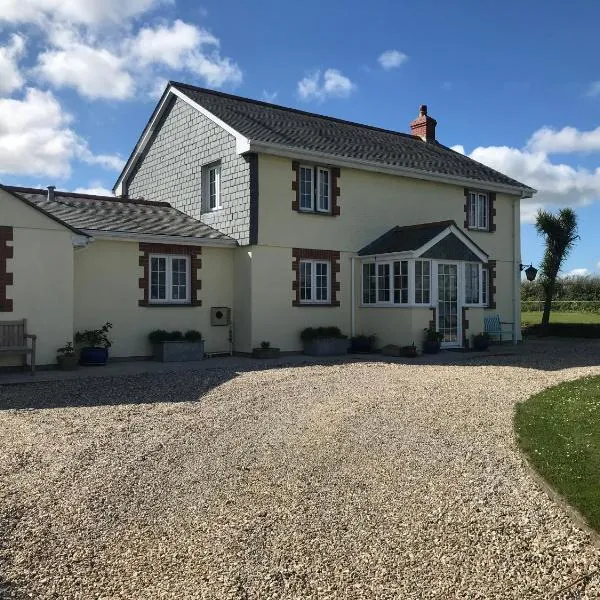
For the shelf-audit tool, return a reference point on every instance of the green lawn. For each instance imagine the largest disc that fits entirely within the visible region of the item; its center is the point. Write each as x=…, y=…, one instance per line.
x=534, y=318
x=559, y=431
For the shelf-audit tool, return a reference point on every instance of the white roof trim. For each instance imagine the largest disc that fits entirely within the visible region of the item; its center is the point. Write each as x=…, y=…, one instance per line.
x=299, y=154
x=460, y=235
x=242, y=142
x=125, y=236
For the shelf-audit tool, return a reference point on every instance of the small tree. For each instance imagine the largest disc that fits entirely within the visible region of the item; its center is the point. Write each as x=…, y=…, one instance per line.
x=560, y=234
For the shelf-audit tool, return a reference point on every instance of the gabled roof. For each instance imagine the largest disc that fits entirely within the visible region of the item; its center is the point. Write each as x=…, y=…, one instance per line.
x=95, y=215
x=440, y=240
x=263, y=127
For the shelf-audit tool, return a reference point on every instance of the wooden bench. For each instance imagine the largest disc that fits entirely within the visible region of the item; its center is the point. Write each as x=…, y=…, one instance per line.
x=13, y=340
x=492, y=325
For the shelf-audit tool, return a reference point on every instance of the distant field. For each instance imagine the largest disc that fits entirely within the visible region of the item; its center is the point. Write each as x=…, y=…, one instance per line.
x=535, y=318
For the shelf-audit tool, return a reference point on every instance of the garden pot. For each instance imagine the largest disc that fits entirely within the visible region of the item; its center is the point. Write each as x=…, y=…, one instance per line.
x=67, y=363
x=326, y=347
x=93, y=355
x=431, y=347
x=481, y=342
x=179, y=351
x=265, y=352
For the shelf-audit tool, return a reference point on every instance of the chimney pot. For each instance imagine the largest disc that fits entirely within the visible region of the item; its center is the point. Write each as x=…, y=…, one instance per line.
x=424, y=125
x=51, y=189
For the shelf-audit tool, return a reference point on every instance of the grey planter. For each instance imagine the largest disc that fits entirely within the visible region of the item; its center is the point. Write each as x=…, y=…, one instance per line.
x=326, y=347
x=179, y=351
x=265, y=352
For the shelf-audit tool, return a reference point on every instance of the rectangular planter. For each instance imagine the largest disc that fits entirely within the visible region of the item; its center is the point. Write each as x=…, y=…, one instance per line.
x=180, y=351
x=327, y=347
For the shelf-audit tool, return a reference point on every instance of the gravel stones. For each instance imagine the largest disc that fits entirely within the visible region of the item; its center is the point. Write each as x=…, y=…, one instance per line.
x=338, y=480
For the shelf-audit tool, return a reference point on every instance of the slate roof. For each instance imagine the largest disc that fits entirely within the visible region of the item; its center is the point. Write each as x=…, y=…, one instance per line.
x=270, y=123
x=405, y=239
x=92, y=213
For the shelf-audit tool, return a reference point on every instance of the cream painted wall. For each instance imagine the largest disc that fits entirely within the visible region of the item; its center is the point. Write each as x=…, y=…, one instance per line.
x=242, y=302
x=372, y=203
x=106, y=289
x=273, y=317
x=42, y=267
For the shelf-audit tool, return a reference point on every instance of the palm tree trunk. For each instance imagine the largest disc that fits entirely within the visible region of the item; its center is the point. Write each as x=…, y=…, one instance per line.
x=548, y=294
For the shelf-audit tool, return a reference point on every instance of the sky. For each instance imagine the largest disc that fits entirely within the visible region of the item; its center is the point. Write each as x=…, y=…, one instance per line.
x=515, y=85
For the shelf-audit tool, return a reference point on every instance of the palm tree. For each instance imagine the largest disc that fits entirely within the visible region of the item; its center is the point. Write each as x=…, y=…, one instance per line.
x=560, y=234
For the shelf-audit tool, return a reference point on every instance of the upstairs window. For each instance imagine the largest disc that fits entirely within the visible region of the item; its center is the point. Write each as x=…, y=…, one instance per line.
x=211, y=185
x=169, y=279
x=478, y=211
x=314, y=189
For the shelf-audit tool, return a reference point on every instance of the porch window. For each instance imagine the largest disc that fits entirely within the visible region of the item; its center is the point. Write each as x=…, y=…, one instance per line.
x=369, y=283
x=169, y=279
x=314, y=281
x=422, y=282
x=472, y=281
x=401, y=282
x=385, y=282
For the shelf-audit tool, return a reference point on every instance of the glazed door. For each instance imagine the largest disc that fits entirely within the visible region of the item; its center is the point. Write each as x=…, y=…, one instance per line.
x=448, y=322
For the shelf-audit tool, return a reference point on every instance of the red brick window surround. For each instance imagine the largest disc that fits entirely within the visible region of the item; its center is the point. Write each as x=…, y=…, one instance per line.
x=306, y=254
x=490, y=209
x=6, y=278
x=195, y=284
x=334, y=190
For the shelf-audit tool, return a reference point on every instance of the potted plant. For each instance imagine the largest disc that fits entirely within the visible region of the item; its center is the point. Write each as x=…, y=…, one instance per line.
x=174, y=346
x=324, y=341
x=265, y=351
x=362, y=344
x=66, y=358
x=409, y=351
x=481, y=341
x=433, y=340
x=95, y=345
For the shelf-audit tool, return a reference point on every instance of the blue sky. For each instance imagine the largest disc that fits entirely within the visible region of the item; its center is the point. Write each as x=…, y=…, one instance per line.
x=515, y=85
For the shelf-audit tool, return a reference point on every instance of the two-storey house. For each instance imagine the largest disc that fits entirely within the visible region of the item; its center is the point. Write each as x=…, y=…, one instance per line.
x=250, y=221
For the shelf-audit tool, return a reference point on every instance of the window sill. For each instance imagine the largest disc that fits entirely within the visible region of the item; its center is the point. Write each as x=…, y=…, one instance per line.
x=151, y=304
x=391, y=305
x=317, y=304
x=308, y=211
x=480, y=229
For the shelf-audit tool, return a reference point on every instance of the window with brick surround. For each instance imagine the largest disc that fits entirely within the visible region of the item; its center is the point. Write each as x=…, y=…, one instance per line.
x=315, y=281
x=480, y=211
x=316, y=189
x=169, y=279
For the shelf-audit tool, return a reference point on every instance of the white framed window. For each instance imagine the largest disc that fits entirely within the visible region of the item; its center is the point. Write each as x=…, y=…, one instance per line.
x=323, y=189
x=472, y=283
x=485, y=287
x=211, y=187
x=307, y=188
x=315, y=281
x=422, y=282
x=385, y=282
x=478, y=211
x=169, y=279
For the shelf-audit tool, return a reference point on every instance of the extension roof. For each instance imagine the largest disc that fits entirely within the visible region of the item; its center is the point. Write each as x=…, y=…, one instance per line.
x=93, y=215
x=263, y=127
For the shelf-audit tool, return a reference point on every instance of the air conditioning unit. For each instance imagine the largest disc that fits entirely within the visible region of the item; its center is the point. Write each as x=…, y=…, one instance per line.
x=220, y=316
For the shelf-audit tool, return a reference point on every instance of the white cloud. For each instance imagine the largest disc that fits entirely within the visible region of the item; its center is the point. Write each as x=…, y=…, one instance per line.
x=93, y=72
x=391, y=59
x=171, y=46
x=565, y=140
x=86, y=12
x=458, y=148
x=333, y=84
x=269, y=96
x=594, y=89
x=96, y=189
x=578, y=272
x=36, y=138
x=10, y=76
x=215, y=70
x=110, y=162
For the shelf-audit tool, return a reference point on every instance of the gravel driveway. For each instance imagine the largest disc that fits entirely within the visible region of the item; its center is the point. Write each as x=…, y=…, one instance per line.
x=352, y=480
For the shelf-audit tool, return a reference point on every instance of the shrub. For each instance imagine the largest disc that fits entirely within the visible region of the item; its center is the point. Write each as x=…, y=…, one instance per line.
x=432, y=335
x=191, y=335
x=95, y=337
x=362, y=343
x=580, y=330
x=311, y=334
x=66, y=350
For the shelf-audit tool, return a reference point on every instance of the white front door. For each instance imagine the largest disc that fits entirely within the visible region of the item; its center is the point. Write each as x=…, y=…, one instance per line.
x=448, y=309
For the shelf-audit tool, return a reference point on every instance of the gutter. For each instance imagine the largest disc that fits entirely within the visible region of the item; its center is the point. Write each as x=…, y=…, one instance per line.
x=298, y=154
x=124, y=236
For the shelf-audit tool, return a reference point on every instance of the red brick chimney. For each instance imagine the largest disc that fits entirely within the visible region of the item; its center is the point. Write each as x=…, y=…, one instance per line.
x=424, y=125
